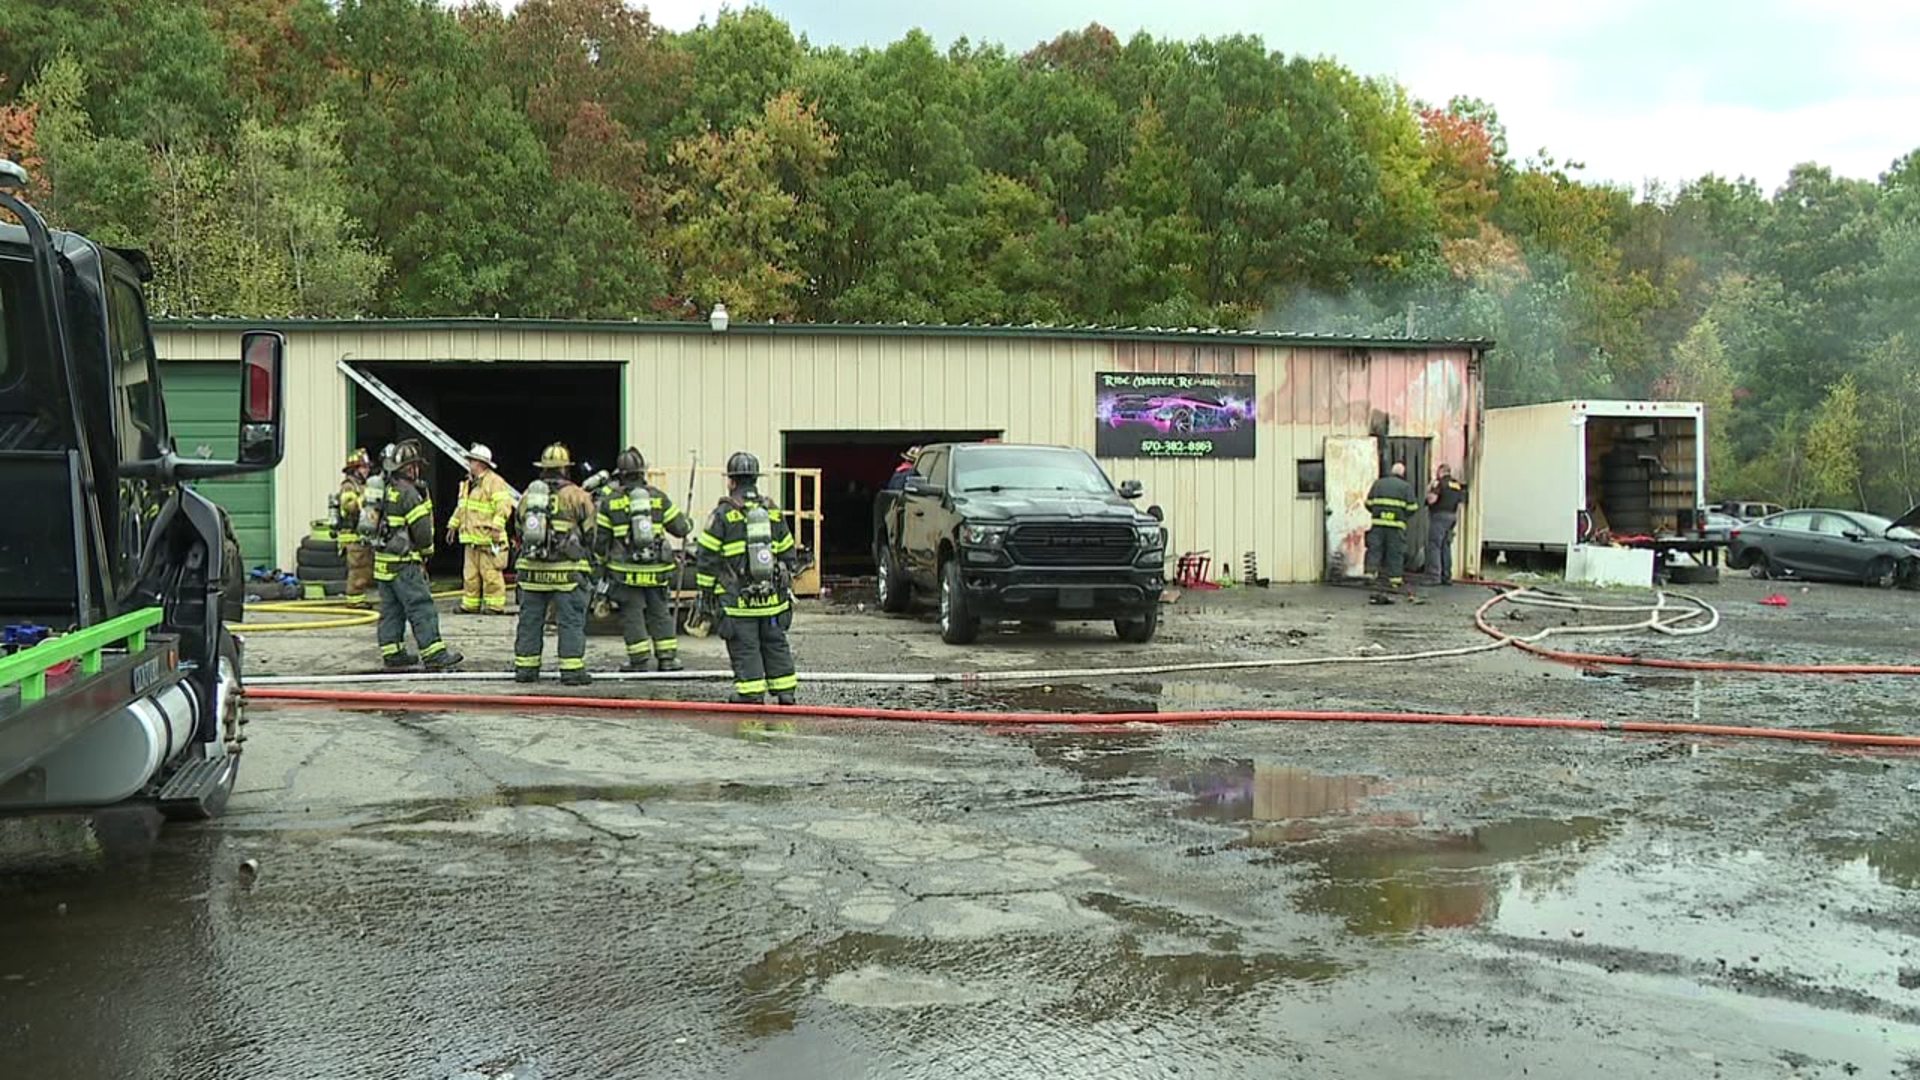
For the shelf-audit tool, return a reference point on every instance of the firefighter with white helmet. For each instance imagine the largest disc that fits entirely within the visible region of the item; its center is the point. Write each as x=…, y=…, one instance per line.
x=479, y=523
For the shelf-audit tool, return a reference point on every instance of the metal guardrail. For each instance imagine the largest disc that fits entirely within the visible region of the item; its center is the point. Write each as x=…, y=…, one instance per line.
x=29, y=667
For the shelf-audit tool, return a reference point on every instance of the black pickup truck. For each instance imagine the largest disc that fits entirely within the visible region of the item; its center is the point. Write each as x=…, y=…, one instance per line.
x=1004, y=531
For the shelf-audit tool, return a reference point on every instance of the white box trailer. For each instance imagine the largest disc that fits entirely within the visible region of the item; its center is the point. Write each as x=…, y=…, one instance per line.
x=1570, y=473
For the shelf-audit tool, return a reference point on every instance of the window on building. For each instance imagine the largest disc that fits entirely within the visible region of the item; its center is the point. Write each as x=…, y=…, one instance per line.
x=1309, y=477
x=141, y=421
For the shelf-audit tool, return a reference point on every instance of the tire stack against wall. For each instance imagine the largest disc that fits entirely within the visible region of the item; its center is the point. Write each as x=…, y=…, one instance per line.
x=1626, y=491
x=321, y=564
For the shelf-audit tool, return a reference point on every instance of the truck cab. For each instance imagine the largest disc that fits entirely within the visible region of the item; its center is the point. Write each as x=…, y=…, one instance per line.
x=1006, y=531
x=121, y=678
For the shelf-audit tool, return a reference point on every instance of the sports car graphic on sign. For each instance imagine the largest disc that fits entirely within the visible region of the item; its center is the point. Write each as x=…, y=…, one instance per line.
x=1184, y=415
x=1171, y=414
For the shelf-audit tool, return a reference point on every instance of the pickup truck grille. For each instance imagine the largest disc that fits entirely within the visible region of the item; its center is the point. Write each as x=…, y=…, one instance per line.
x=1072, y=545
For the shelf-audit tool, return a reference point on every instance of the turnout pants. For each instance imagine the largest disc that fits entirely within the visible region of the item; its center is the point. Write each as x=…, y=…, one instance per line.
x=1440, y=546
x=359, y=572
x=1387, y=549
x=646, y=621
x=408, y=600
x=482, y=580
x=761, y=658
x=570, y=613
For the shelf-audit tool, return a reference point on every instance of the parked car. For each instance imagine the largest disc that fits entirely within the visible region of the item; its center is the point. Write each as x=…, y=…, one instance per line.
x=1747, y=510
x=1029, y=533
x=1835, y=545
x=1719, y=527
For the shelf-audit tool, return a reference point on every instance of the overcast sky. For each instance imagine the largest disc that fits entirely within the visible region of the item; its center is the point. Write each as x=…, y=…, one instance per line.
x=1635, y=89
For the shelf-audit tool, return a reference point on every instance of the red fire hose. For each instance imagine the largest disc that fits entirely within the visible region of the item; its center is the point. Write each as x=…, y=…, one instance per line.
x=435, y=702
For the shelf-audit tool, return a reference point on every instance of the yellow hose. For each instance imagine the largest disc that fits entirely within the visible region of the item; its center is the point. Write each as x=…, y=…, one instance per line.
x=345, y=614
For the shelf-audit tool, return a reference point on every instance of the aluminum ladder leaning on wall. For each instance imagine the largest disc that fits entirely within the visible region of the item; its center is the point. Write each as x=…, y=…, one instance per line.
x=412, y=417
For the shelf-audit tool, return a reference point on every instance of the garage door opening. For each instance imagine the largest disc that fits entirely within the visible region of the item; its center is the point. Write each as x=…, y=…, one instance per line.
x=854, y=466
x=516, y=409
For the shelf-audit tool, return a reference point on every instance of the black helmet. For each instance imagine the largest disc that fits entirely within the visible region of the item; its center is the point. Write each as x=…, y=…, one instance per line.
x=404, y=453
x=630, y=463
x=744, y=465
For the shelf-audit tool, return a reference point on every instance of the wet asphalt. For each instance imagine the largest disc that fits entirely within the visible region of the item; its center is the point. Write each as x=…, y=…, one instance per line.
x=549, y=895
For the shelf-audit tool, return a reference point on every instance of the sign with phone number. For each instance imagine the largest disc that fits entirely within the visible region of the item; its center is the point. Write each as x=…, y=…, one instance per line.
x=1176, y=448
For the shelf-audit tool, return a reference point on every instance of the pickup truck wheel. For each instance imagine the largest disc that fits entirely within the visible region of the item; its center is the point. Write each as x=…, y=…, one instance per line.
x=958, y=626
x=895, y=591
x=1138, y=631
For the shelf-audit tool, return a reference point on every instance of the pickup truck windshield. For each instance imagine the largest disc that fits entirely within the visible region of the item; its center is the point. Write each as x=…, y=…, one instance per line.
x=1027, y=469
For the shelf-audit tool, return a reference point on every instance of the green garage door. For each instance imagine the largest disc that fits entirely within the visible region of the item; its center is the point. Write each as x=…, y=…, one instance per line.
x=203, y=410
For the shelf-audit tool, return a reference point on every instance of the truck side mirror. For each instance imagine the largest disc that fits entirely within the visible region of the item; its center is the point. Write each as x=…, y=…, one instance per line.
x=1131, y=489
x=262, y=402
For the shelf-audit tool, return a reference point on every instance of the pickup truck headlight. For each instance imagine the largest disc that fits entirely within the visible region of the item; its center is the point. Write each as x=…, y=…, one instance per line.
x=1149, y=537
x=983, y=536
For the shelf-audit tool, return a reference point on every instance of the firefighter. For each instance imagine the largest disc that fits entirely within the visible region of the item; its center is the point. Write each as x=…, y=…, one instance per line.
x=635, y=520
x=1443, y=516
x=397, y=518
x=1390, y=501
x=359, y=557
x=479, y=523
x=556, y=535
x=903, y=470
x=745, y=566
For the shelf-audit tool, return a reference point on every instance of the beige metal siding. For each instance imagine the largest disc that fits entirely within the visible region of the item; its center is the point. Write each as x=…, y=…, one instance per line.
x=723, y=392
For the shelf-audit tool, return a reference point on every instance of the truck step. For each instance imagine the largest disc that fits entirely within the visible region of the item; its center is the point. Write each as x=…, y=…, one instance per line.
x=199, y=789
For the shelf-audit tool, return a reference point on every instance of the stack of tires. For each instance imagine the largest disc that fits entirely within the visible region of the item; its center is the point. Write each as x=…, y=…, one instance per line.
x=321, y=565
x=1626, y=491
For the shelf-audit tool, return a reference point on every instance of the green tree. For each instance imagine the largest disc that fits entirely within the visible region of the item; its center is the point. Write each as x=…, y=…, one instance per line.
x=743, y=207
x=742, y=61
x=1833, y=446
x=1701, y=372
x=100, y=185
x=289, y=189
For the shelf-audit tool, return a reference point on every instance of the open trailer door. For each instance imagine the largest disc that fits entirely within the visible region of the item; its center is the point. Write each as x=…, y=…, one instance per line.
x=1352, y=465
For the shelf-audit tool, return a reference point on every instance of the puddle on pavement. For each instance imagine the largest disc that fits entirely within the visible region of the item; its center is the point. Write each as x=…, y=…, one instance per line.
x=1066, y=698
x=1370, y=861
x=1153, y=966
x=1893, y=857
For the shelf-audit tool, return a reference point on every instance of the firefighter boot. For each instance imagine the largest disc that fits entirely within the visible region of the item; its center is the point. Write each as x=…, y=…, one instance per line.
x=444, y=660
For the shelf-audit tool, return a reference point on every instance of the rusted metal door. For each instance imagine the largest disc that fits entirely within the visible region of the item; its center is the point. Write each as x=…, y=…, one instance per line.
x=1352, y=465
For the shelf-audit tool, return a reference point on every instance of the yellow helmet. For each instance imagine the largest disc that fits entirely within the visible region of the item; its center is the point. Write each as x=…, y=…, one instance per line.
x=555, y=456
